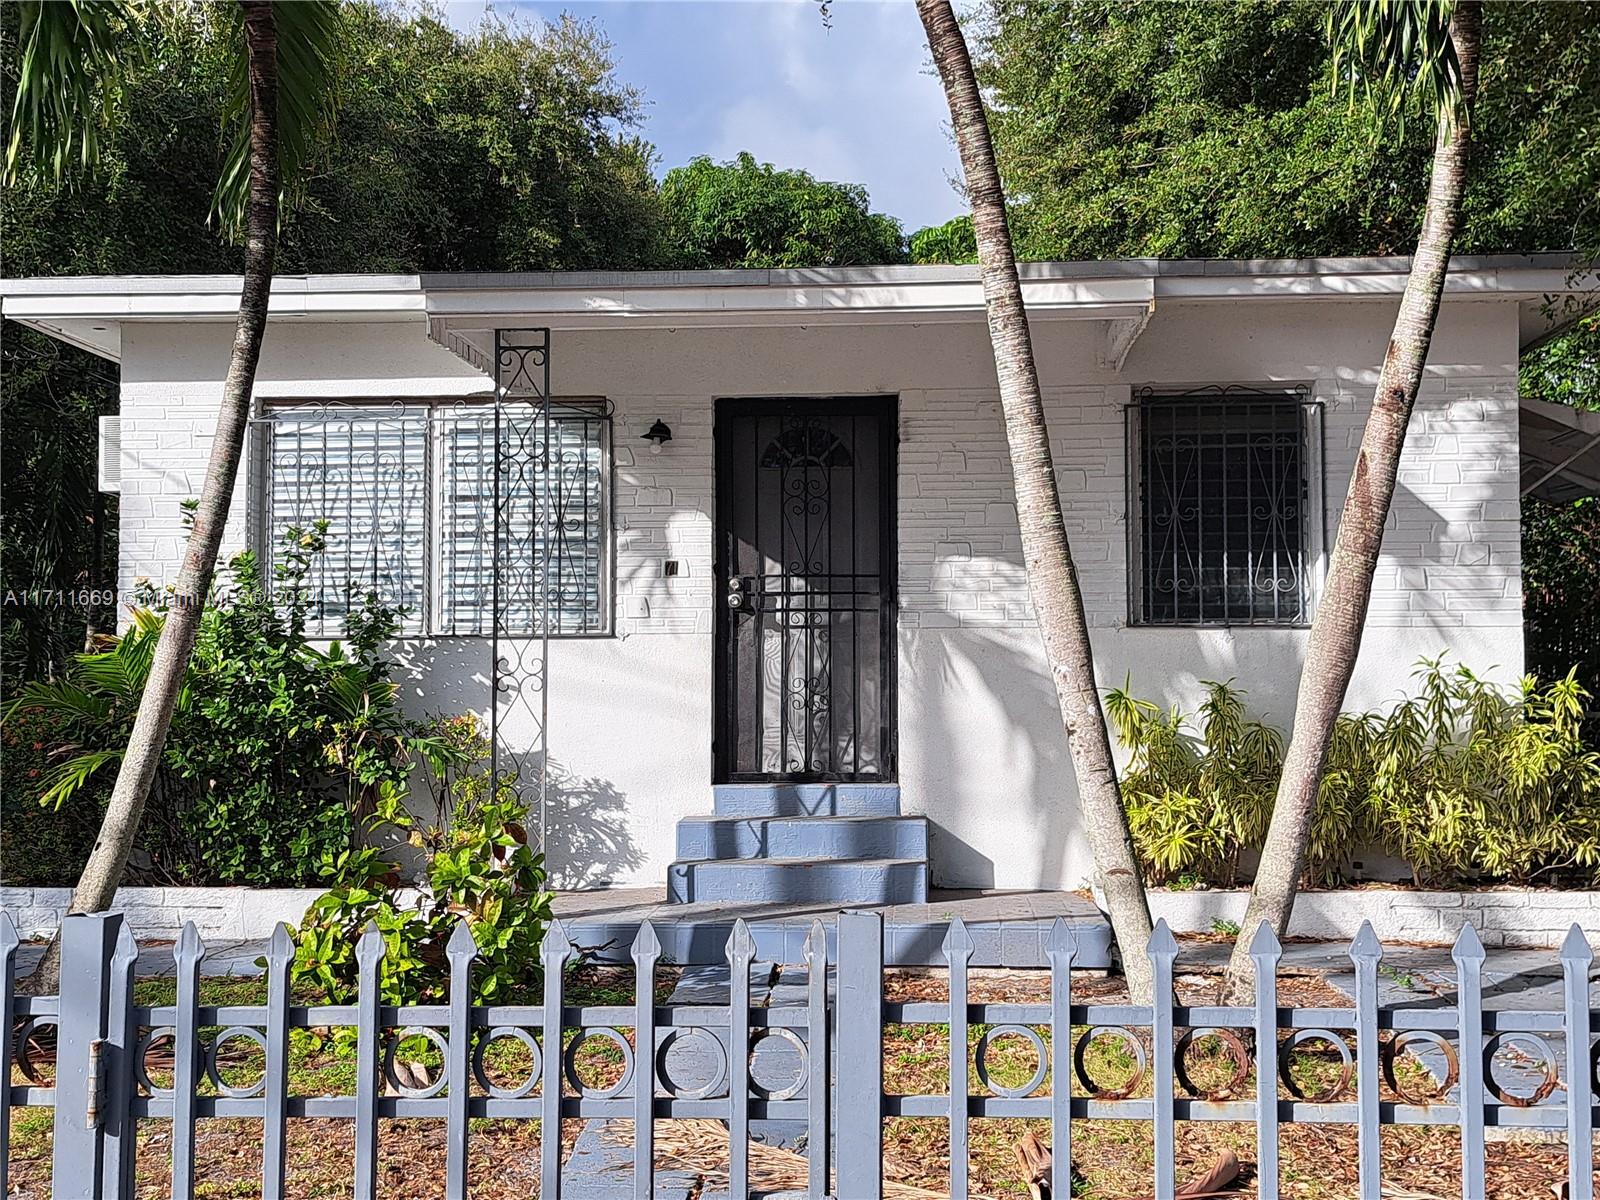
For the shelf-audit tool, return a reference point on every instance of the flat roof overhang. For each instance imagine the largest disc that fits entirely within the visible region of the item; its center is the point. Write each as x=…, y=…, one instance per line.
x=462, y=310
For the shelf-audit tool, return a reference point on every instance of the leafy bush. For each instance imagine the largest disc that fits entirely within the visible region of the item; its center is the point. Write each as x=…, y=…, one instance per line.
x=41, y=847
x=479, y=866
x=1461, y=781
x=278, y=748
x=1195, y=804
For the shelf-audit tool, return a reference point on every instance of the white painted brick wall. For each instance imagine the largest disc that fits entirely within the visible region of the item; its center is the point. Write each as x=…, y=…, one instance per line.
x=1503, y=918
x=1451, y=554
x=1510, y=917
x=663, y=512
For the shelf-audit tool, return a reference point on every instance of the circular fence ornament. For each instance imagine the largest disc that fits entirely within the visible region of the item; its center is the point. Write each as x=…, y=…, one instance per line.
x=1300, y=1037
x=1080, y=1061
x=25, y=1048
x=714, y=1051
x=570, y=1061
x=1540, y=1050
x=147, y=1043
x=214, y=1067
x=1234, y=1051
x=981, y=1058
x=792, y=1089
x=1392, y=1050
x=434, y=1086
x=513, y=1033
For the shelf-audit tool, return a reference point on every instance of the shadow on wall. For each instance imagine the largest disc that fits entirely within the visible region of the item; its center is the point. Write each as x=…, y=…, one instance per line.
x=986, y=755
x=586, y=824
x=586, y=828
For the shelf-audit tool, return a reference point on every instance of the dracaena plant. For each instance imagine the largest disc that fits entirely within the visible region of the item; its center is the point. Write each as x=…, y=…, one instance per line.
x=1462, y=781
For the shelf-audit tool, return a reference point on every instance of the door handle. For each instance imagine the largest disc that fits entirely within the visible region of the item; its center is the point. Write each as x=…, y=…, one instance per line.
x=736, y=591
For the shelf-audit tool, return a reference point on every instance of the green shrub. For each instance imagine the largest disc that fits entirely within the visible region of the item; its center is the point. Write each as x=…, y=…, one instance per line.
x=278, y=749
x=1461, y=781
x=478, y=866
x=1195, y=804
x=41, y=847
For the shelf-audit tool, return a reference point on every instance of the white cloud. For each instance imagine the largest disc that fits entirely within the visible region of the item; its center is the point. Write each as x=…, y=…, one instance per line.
x=854, y=102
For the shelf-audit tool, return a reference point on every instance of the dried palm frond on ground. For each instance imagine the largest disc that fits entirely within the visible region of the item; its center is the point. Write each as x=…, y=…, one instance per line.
x=1033, y=1156
x=701, y=1147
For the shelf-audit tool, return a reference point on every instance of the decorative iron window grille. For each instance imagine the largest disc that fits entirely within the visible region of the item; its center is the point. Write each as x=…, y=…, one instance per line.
x=409, y=491
x=1226, y=486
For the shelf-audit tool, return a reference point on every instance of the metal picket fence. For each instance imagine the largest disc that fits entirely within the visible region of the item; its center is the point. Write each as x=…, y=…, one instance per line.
x=102, y=1085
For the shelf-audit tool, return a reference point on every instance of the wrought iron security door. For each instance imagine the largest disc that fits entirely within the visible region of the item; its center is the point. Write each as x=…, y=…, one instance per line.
x=805, y=571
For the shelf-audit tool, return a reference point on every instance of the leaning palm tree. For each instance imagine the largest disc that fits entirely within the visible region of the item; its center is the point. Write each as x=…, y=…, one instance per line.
x=73, y=61
x=1396, y=50
x=1052, y=578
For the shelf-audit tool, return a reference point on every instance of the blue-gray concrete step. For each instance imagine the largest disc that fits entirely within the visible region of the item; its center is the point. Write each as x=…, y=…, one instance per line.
x=802, y=837
x=840, y=882
x=806, y=799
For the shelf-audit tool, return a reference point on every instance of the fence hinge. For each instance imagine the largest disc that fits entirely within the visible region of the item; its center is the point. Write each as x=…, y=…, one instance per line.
x=97, y=1083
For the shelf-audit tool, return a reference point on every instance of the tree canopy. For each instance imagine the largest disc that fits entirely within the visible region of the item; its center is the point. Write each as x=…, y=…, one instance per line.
x=515, y=146
x=749, y=214
x=1212, y=129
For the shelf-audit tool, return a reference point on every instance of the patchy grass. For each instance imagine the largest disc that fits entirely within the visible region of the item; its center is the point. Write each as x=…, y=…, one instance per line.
x=1113, y=1159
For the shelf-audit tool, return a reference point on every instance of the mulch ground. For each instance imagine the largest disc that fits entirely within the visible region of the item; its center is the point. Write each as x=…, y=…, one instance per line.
x=1112, y=1158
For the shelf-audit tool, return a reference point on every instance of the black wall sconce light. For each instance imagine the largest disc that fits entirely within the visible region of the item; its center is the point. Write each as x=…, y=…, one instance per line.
x=658, y=435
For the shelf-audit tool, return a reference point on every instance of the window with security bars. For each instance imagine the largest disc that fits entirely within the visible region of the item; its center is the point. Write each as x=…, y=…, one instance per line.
x=1223, y=484
x=409, y=491
x=554, y=525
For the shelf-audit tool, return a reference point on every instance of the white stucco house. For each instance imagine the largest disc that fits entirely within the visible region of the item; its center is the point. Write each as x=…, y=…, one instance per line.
x=790, y=644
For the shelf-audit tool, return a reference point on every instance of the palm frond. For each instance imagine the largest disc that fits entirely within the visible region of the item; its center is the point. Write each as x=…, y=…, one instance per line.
x=65, y=781
x=308, y=69
x=62, y=699
x=1394, y=52
x=73, y=56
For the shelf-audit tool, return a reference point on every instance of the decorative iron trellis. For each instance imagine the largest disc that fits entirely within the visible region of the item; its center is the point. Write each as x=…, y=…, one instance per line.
x=519, y=658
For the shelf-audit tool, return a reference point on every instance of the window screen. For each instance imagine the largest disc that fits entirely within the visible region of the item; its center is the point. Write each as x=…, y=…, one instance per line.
x=409, y=491
x=1223, y=488
x=364, y=471
x=554, y=526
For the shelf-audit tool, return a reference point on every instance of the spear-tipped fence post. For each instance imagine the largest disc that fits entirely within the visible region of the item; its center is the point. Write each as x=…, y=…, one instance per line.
x=88, y=944
x=1163, y=951
x=8, y=999
x=1265, y=952
x=461, y=951
x=1576, y=958
x=1062, y=948
x=369, y=955
x=275, y=1119
x=958, y=953
x=1468, y=955
x=646, y=950
x=186, y=1056
x=741, y=950
x=553, y=955
x=1365, y=952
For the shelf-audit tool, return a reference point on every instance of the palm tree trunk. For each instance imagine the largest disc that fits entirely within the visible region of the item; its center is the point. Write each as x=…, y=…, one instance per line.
x=1336, y=630
x=97, y=886
x=1052, y=579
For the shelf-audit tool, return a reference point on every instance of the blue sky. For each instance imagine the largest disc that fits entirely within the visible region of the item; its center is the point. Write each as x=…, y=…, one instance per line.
x=856, y=102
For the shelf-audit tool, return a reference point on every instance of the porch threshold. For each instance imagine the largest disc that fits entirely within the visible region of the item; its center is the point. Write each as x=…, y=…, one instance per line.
x=1008, y=929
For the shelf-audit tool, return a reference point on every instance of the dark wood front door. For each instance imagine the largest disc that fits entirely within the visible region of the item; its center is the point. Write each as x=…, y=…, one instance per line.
x=805, y=590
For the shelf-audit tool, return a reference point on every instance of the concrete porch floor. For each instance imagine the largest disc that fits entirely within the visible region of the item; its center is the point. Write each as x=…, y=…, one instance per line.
x=1009, y=929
